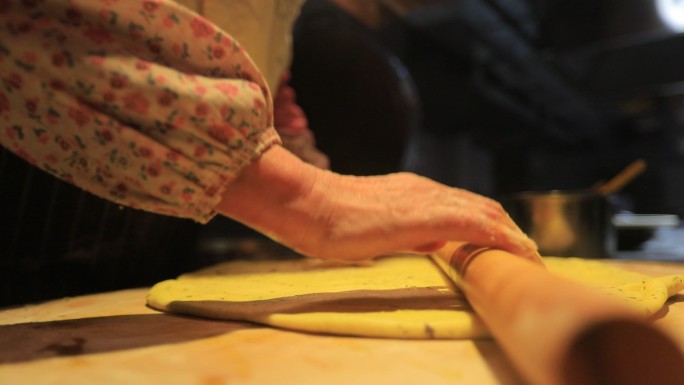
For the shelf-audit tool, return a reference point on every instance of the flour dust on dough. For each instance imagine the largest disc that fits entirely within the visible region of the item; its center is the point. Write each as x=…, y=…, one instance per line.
x=401, y=296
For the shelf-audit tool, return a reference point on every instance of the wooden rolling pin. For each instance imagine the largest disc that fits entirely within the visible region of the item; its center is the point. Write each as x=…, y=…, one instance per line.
x=557, y=332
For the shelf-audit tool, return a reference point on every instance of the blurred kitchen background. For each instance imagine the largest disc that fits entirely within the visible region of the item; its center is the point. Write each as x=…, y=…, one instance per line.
x=495, y=96
x=500, y=95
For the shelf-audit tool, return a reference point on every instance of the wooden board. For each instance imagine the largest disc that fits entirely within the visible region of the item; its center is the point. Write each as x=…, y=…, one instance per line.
x=122, y=341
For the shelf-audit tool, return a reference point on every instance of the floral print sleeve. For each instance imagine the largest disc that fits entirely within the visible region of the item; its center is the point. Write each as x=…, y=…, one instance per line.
x=140, y=102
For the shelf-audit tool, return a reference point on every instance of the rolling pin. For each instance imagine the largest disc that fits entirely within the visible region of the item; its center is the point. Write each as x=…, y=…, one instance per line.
x=555, y=331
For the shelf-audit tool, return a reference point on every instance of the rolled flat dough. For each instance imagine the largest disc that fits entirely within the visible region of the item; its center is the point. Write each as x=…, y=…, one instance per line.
x=401, y=296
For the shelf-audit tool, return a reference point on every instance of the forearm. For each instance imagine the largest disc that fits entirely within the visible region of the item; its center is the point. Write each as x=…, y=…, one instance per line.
x=278, y=196
x=145, y=125
x=323, y=214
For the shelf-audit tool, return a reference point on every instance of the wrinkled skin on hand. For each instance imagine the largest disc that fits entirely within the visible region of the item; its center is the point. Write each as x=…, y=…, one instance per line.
x=327, y=215
x=369, y=216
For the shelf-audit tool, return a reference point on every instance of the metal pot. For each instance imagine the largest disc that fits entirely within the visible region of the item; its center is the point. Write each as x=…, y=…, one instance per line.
x=565, y=223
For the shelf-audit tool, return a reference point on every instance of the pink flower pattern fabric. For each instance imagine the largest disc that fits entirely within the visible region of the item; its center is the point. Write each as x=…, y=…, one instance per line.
x=141, y=102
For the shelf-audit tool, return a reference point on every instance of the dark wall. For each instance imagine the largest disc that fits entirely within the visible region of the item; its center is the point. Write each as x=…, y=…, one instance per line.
x=513, y=94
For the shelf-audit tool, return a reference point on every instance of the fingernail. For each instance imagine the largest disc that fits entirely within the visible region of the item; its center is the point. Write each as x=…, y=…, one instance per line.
x=528, y=246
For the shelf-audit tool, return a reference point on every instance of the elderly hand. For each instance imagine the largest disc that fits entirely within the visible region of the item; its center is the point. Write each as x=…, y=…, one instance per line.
x=327, y=215
x=369, y=216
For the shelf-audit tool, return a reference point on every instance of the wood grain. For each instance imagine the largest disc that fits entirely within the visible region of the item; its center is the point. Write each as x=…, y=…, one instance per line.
x=268, y=356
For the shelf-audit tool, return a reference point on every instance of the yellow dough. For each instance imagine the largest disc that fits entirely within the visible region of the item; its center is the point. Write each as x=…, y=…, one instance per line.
x=641, y=291
x=402, y=296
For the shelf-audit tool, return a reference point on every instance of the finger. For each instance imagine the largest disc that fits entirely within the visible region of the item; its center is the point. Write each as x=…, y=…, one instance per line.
x=513, y=241
x=487, y=206
x=481, y=229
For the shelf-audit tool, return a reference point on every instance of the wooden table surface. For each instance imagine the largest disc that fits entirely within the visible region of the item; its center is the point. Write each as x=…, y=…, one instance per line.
x=113, y=338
